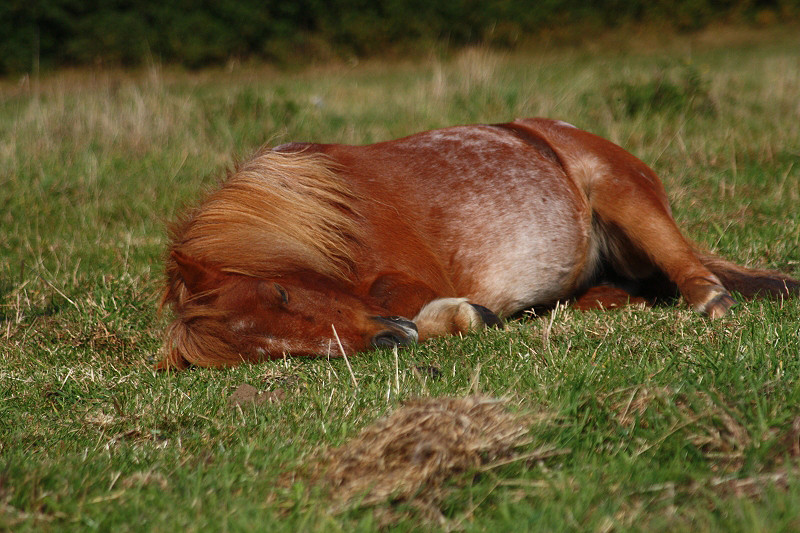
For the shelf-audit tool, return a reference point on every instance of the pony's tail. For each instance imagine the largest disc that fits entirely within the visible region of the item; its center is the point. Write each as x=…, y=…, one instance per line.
x=750, y=282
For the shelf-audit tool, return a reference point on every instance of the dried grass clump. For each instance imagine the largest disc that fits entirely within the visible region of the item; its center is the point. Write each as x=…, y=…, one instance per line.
x=408, y=455
x=708, y=422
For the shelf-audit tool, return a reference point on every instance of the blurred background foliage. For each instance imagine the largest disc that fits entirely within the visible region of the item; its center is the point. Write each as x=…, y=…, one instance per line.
x=44, y=34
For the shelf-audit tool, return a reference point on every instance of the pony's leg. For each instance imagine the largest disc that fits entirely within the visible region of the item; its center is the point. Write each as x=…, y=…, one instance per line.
x=400, y=294
x=603, y=298
x=450, y=316
x=637, y=227
x=434, y=315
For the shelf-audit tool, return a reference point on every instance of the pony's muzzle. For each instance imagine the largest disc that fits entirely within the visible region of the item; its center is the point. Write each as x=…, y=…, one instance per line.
x=400, y=332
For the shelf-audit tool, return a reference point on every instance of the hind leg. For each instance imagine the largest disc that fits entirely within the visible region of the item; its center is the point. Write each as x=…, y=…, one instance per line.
x=632, y=211
x=634, y=222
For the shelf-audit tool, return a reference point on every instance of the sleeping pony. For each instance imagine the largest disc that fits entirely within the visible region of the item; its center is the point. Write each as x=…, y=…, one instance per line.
x=318, y=249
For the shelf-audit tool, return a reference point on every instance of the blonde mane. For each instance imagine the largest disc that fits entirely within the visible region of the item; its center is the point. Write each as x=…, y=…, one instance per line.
x=274, y=212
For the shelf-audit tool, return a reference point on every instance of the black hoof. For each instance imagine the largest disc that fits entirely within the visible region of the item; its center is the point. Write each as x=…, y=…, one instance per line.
x=719, y=305
x=489, y=318
x=401, y=332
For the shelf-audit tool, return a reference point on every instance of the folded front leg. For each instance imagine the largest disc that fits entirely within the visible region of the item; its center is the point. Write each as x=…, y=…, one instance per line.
x=449, y=316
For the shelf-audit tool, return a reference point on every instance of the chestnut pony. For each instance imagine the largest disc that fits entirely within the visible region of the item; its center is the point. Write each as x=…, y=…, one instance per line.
x=311, y=249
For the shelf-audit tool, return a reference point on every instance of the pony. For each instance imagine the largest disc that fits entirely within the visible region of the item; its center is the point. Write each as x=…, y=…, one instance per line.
x=330, y=249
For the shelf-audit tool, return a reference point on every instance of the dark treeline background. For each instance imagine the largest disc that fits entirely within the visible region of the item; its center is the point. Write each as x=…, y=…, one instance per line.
x=51, y=33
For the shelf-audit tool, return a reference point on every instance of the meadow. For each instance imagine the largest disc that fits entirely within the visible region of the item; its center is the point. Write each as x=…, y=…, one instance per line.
x=639, y=420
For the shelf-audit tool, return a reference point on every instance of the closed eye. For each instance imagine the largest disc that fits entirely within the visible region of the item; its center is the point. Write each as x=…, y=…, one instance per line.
x=282, y=293
x=272, y=293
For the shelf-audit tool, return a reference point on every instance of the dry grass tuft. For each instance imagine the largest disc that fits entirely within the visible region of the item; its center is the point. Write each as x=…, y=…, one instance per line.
x=710, y=425
x=477, y=65
x=408, y=455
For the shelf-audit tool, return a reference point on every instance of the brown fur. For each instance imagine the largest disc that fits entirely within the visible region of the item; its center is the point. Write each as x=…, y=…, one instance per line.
x=750, y=282
x=311, y=239
x=242, y=228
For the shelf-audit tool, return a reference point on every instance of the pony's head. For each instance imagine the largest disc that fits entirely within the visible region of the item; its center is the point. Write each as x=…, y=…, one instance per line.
x=225, y=318
x=262, y=268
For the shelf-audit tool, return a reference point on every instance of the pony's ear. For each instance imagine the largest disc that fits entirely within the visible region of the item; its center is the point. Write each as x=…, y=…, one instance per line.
x=198, y=277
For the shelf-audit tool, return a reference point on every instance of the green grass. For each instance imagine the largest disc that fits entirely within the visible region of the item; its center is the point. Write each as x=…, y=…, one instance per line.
x=672, y=421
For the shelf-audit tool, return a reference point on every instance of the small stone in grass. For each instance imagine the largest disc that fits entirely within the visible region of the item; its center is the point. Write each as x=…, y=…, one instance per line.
x=247, y=394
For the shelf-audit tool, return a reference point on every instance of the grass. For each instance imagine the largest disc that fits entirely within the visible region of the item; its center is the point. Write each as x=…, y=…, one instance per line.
x=671, y=421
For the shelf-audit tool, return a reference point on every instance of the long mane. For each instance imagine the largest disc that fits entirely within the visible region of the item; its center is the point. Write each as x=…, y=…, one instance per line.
x=275, y=212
